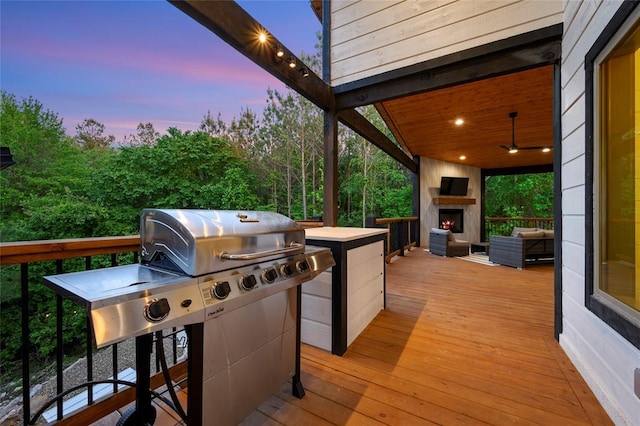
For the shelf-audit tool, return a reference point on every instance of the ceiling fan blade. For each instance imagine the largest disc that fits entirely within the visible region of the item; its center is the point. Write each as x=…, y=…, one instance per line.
x=505, y=147
x=534, y=147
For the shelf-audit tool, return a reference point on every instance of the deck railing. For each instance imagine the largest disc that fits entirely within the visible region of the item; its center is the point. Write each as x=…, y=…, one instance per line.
x=401, y=235
x=504, y=225
x=35, y=259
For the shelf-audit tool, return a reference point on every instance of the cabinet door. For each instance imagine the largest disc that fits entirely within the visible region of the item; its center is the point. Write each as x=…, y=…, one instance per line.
x=315, y=328
x=365, y=287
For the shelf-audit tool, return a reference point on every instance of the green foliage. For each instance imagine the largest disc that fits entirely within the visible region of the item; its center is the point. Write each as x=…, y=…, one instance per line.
x=527, y=195
x=182, y=170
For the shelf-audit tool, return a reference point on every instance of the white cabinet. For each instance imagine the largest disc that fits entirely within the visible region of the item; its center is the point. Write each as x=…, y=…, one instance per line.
x=339, y=304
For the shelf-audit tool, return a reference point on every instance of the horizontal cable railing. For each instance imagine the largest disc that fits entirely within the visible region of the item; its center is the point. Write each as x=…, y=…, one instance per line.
x=27, y=263
x=505, y=225
x=401, y=236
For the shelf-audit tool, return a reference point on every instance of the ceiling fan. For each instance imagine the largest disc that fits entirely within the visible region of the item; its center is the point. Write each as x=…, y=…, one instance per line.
x=513, y=148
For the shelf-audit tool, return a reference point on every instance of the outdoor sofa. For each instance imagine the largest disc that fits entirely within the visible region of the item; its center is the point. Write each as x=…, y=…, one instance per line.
x=442, y=242
x=524, y=244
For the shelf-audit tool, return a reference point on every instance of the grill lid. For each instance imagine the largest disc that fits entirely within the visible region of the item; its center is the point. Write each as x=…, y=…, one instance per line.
x=198, y=242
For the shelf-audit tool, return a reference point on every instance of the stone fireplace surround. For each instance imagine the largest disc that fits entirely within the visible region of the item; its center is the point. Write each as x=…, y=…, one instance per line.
x=430, y=201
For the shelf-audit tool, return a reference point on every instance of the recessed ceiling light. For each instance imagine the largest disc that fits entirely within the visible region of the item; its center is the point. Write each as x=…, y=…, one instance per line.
x=459, y=122
x=262, y=37
x=463, y=157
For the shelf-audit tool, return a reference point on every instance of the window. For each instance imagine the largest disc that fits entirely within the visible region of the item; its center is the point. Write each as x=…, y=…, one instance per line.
x=613, y=130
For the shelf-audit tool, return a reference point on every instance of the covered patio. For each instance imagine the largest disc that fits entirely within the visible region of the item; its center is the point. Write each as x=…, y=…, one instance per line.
x=458, y=343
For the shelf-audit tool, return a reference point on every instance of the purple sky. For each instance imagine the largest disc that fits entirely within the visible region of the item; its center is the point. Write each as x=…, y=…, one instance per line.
x=126, y=62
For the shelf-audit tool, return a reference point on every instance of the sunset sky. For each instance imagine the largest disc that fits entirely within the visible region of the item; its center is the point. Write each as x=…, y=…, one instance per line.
x=126, y=62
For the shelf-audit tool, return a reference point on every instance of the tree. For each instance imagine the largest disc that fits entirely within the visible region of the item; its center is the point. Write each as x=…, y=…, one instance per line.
x=524, y=195
x=243, y=132
x=216, y=128
x=182, y=170
x=146, y=135
x=47, y=163
x=371, y=183
x=89, y=135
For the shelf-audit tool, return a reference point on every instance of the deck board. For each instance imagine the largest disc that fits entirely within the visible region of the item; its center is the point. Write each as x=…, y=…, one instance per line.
x=458, y=343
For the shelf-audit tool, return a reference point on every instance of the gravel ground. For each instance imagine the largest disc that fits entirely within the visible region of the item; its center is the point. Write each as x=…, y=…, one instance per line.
x=75, y=374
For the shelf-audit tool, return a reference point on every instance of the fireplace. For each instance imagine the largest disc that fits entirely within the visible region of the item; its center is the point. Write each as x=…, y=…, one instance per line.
x=451, y=219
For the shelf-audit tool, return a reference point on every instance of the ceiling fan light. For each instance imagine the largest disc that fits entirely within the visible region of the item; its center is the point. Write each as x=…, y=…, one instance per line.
x=513, y=150
x=546, y=149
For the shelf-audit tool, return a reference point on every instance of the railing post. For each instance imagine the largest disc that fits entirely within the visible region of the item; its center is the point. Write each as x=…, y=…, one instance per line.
x=26, y=385
x=401, y=237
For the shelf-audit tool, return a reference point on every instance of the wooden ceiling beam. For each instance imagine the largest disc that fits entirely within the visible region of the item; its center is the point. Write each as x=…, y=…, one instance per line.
x=237, y=28
x=359, y=124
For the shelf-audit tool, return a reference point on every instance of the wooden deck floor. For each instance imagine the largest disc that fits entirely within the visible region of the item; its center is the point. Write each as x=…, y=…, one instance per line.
x=459, y=343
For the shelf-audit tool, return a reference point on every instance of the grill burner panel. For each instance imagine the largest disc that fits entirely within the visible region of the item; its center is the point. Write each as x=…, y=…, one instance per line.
x=316, y=260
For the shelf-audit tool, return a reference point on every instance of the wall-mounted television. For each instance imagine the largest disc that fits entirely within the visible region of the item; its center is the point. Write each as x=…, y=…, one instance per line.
x=454, y=185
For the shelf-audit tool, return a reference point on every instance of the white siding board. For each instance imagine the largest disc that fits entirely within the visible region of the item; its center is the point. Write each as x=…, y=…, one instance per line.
x=573, y=173
x=570, y=8
x=364, y=254
x=362, y=14
x=573, y=256
x=378, y=61
x=315, y=334
x=319, y=286
x=338, y=5
x=583, y=16
x=573, y=229
x=398, y=24
x=573, y=117
x=573, y=201
x=365, y=292
x=573, y=89
x=603, y=357
x=359, y=321
x=364, y=275
x=608, y=384
x=316, y=308
x=386, y=43
x=573, y=285
x=574, y=146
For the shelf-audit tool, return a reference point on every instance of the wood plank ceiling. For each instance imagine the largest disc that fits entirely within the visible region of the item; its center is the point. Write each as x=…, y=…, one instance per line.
x=425, y=123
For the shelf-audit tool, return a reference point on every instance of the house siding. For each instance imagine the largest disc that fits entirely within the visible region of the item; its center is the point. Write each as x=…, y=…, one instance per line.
x=604, y=358
x=372, y=37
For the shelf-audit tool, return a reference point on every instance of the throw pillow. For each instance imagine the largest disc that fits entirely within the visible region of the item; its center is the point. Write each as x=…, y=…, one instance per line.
x=517, y=230
x=531, y=234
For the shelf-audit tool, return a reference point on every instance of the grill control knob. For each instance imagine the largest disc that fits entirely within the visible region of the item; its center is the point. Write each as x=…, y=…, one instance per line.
x=221, y=290
x=286, y=270
x=269, y=275
x=157, y=310
x=303, y=266
x=248, y=282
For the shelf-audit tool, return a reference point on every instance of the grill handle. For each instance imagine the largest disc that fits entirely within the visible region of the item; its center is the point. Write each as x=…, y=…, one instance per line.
x=260, y=254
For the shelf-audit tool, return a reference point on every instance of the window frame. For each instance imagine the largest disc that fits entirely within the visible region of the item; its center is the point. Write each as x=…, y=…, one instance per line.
x=623, y=320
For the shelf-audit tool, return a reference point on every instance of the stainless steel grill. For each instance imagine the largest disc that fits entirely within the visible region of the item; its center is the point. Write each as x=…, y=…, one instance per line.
x=233, y=279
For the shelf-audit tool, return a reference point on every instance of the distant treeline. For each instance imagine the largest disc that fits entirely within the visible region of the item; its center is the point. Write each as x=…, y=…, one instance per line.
x=84, y=185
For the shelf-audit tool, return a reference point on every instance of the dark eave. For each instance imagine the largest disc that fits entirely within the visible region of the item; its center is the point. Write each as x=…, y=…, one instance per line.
x=238, y=29
x=354, y=120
